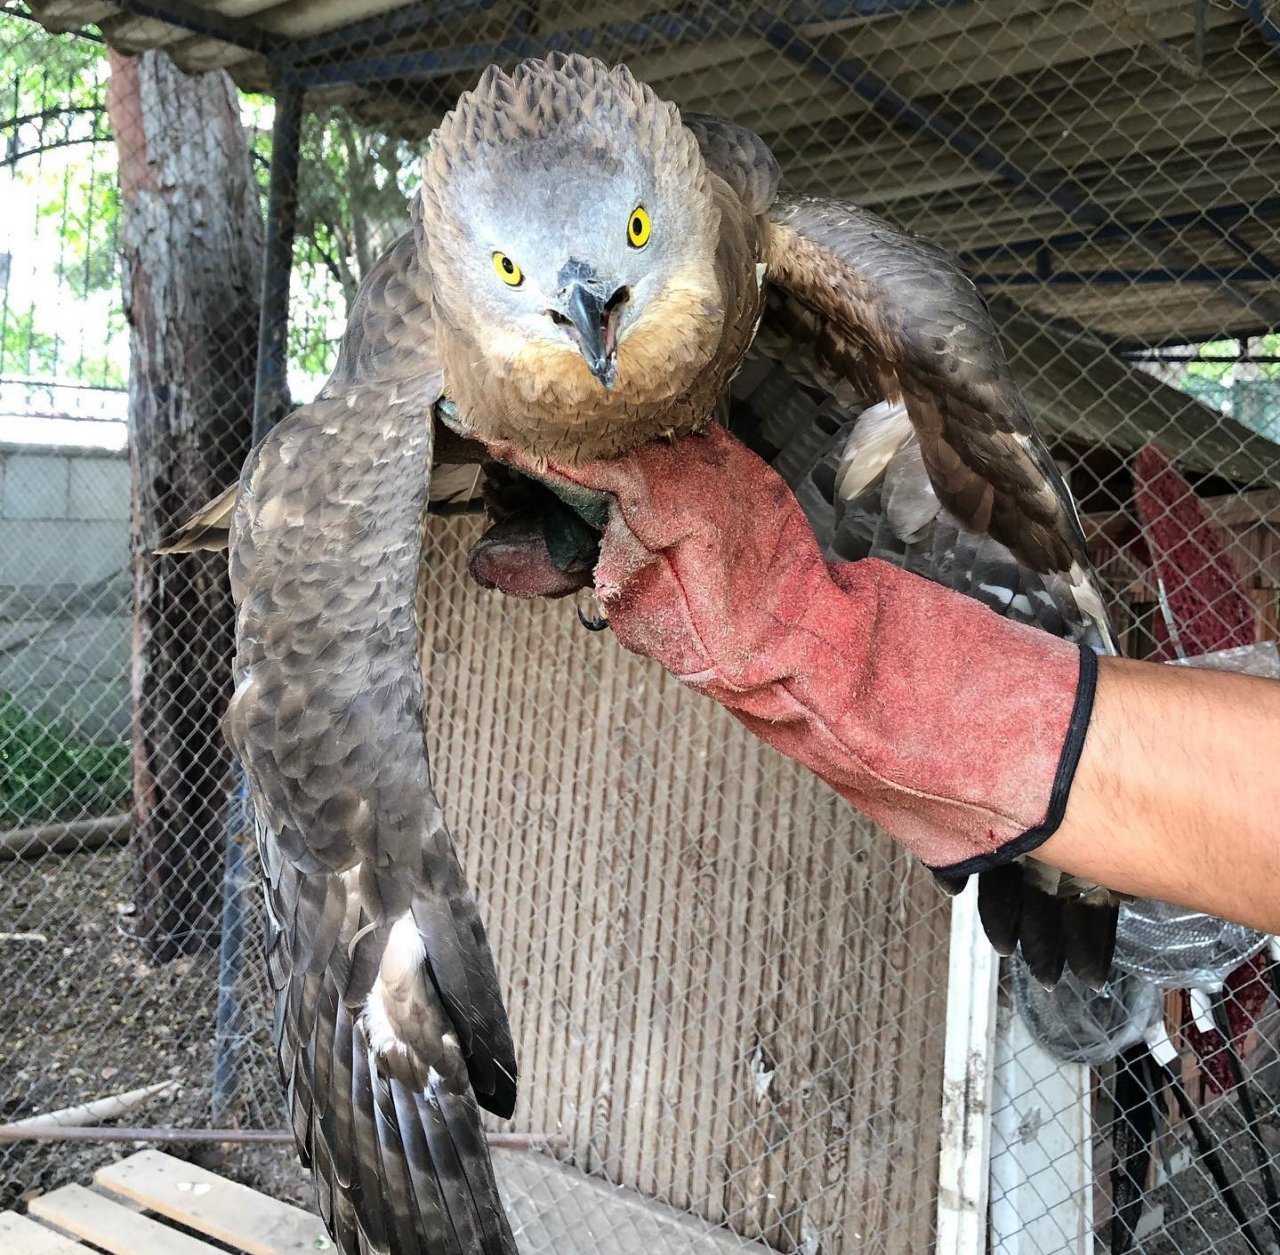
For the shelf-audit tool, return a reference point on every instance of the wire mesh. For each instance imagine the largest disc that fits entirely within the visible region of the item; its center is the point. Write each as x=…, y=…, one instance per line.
x=728, y=992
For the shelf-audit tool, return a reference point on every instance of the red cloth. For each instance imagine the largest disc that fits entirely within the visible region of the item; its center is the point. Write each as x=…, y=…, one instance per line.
x=1206, y=596
x=1245, y=993
x=932, y=714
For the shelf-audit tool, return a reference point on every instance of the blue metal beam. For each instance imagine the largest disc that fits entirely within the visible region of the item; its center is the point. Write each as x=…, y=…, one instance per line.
x=1229, y=215
x=1262, y=21
x=1254, y=256
x=1069, y=198
x=854, y=73
x=1151, y=274
x=634, y=36
x=237, y=32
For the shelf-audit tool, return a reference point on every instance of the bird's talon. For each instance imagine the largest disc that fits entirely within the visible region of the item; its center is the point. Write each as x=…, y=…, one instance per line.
x=591, y=614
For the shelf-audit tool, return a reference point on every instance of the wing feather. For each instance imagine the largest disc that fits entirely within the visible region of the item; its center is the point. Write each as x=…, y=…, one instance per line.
x=384, y=979
x=388, y=326
x=740, y=157
x=909, y=318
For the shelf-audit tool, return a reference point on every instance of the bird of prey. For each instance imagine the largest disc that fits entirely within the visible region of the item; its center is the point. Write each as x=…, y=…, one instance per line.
x=587, y=269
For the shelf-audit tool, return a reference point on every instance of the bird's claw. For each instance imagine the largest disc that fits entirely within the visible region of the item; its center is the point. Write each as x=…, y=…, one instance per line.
x=593, y=617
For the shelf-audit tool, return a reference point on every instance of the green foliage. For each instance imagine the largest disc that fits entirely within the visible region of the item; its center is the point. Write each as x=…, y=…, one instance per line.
x=48, y=75
x=63, y=190
x=1249, y=392
x=46, y=774
x=28, y=347
x=87, y=220
x=26, y=350
x=353, y=200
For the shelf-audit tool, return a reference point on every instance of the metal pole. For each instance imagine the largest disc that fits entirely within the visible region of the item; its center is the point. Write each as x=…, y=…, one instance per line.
x=278, y=1137
x=271, y=389
x=230, y=955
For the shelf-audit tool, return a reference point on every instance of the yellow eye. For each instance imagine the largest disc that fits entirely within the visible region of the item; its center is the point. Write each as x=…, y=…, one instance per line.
x=639, y=228
x=507, y=270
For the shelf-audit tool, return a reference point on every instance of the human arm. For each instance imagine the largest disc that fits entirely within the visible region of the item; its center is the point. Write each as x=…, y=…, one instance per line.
x=1177, y=792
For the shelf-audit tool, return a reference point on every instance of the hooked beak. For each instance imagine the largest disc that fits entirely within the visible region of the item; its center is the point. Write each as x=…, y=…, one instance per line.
x=588, y=310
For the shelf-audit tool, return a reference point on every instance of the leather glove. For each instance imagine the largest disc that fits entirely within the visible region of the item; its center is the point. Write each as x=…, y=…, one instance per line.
x=955, y=729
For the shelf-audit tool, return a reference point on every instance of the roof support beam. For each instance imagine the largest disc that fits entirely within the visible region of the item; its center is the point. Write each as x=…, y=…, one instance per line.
x=631, y=36
x=1070, y=199
x=663, y=29
x=1152, y=274
x=390, y=25
x=207, y=23
x=1064, y=241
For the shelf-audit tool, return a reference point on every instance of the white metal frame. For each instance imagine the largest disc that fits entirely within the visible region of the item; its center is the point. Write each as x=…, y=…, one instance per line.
x=1015, y=1173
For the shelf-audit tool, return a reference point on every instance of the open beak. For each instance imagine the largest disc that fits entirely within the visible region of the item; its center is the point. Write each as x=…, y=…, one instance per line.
x=589, y=312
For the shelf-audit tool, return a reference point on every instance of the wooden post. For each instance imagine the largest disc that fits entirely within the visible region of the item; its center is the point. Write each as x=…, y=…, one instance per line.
x=192, y=247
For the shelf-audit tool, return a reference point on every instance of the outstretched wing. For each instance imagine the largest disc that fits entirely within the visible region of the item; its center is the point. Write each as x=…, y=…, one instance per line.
x=878, y=387
x=389, y=1018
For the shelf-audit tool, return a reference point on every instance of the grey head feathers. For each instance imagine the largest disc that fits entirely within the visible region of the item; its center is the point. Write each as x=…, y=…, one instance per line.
x=562, y=200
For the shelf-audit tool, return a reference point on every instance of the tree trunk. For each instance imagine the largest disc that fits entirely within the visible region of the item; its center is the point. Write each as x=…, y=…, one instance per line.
x=192, y=246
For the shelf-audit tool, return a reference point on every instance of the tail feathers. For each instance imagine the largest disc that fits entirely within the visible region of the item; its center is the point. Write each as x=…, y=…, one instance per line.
x=1000, y=906
x=1089, y=923
x=1040, y=934
x=370, y=1042
x=1055, y=921
x=398, y=1170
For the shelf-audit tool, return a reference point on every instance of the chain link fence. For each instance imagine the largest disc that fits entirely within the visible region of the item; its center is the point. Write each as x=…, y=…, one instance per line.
x=728, y=993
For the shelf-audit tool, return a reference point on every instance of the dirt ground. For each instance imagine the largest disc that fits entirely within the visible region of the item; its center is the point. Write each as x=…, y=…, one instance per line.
x=83, y=1015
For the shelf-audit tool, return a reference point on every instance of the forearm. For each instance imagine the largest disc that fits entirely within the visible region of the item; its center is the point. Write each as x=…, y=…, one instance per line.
x=1177, y=793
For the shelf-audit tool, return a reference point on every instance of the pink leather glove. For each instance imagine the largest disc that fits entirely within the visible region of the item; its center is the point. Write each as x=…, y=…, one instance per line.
x=955, y=729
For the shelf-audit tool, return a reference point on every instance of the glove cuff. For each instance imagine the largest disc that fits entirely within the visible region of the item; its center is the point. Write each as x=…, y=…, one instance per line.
x=1073, y=745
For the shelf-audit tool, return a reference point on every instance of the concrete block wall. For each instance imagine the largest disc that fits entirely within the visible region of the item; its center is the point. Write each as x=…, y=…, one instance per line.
x=64, y=586
x=64, y=515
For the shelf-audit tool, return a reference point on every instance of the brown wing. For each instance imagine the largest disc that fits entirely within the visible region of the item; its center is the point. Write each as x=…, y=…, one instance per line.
x=389, y=1016
x=896, y=313
x=740, y=157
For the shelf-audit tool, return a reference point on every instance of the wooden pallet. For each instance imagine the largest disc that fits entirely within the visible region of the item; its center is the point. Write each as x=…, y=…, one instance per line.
x=136, y=1206
x=129, y=1210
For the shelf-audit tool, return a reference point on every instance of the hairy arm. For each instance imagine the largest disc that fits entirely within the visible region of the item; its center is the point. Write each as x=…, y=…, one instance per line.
x=1177, y=793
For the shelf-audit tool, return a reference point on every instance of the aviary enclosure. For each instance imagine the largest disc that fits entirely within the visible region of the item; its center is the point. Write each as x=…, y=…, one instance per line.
x=730, y=995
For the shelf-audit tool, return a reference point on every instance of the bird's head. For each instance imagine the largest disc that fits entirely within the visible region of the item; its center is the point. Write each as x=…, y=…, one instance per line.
x=571, y=230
